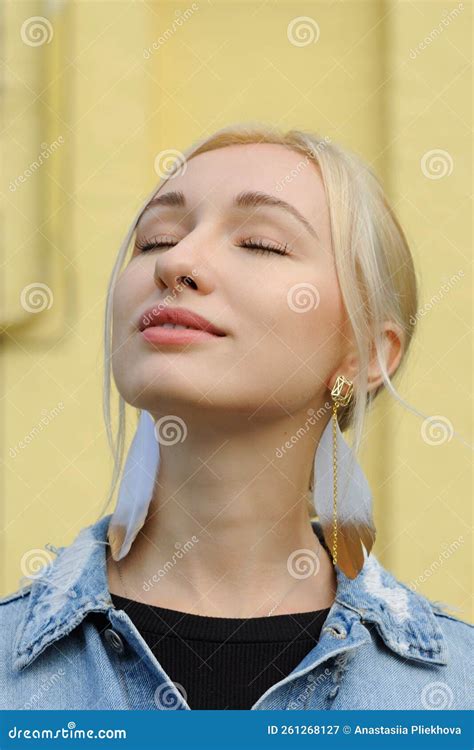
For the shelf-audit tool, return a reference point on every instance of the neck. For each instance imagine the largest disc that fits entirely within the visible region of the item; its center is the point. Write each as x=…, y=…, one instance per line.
x=228, y=531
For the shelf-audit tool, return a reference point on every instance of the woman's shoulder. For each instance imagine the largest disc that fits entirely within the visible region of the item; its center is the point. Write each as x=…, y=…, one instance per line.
x=14, y=603
x=71, y=567
x=13, y=608
x=13, y=617
x=409, y=622
x=47, y=604
x=447, y=632
x=423, y=645
x=455, y=628
x=445, y=614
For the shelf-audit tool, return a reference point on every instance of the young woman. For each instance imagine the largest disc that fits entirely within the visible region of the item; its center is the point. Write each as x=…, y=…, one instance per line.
x=265, y=302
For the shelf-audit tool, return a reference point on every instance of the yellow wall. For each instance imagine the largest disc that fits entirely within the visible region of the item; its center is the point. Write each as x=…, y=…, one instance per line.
x=110, y=108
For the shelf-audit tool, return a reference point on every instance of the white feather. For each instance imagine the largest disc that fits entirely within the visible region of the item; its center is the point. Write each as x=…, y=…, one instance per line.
x=354, y=498
x=136, y=486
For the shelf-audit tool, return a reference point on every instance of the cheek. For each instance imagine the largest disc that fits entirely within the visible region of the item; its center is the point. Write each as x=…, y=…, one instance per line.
x=304, y=339
x=129, y=295
x=321, y=332
x=126, y=305
x=309, y=313
x=118, y=322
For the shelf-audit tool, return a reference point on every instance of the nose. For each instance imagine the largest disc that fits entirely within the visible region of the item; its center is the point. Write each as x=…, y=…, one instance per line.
x=168, y=277
x=181, y=266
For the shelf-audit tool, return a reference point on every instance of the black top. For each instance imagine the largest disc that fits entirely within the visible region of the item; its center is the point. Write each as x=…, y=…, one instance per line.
x=224, y=662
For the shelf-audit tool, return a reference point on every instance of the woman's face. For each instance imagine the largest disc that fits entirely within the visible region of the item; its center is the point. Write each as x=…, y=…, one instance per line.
x=285, y=326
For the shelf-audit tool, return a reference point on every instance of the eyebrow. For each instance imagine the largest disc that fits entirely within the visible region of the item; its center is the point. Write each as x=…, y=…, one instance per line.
x=246, y=199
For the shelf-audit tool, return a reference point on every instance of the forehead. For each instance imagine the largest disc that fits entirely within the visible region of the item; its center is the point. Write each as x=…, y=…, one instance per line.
x=215, y=177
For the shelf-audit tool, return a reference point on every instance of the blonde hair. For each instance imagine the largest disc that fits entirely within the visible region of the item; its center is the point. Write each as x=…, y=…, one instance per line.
x=373, y=262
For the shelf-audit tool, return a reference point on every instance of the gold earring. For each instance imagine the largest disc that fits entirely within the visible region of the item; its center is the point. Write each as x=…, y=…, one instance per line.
x=339, y=398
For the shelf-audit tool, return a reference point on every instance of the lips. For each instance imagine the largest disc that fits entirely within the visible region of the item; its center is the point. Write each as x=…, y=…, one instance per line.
x=179, y=316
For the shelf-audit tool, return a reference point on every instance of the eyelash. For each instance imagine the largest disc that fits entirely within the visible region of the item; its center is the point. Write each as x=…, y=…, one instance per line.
x=258, y=246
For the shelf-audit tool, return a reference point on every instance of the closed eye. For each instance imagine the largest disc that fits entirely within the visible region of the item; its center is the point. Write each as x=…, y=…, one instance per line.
x=260, y=247
x=255, y=245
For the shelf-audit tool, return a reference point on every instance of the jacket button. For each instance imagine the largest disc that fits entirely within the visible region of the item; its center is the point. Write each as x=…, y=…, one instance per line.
x=114, y=640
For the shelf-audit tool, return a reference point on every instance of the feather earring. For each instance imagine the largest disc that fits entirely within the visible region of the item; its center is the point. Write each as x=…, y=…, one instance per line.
x=347, y=522
x=136, y=487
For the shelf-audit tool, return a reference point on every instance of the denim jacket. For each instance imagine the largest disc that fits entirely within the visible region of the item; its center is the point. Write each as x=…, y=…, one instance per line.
x=383, y=646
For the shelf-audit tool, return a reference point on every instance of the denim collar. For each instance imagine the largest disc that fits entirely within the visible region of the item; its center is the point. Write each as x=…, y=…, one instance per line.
x=75, y=583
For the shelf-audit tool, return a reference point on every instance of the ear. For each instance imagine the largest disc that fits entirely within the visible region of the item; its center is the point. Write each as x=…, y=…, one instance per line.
x=393, y=343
